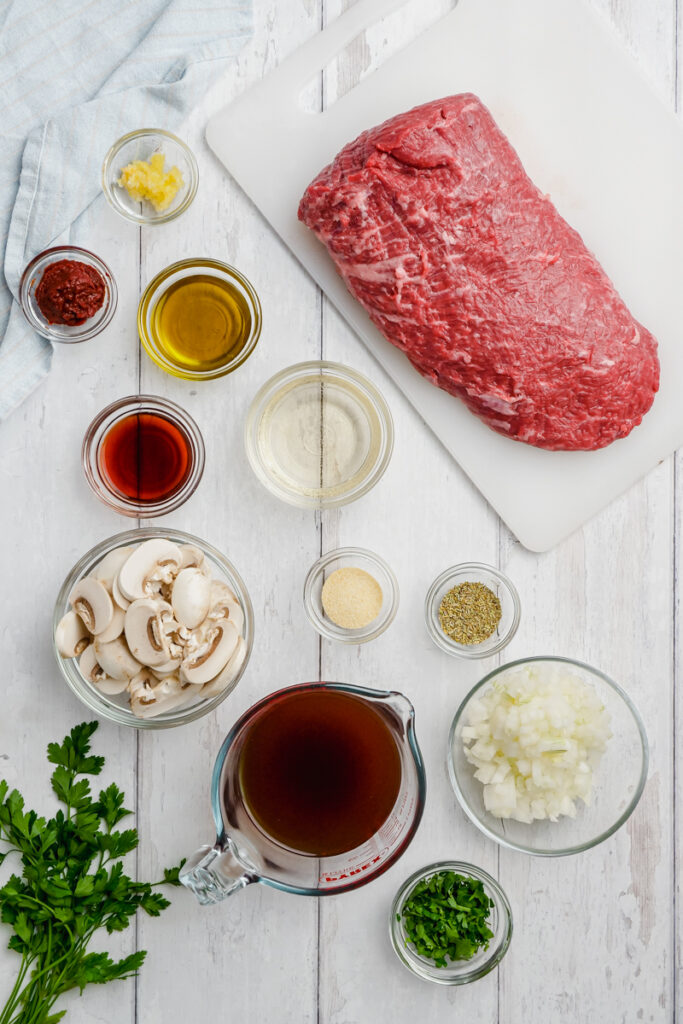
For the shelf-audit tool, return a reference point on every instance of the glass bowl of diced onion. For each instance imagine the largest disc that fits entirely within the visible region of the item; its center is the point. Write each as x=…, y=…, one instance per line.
x=548, y=756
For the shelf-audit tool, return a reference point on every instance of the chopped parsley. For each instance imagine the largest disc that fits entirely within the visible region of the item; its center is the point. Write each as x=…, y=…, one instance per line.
x=446, y=917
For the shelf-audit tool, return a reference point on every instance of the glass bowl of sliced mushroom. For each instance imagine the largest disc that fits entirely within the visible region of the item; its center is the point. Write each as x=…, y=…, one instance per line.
x=153, y=628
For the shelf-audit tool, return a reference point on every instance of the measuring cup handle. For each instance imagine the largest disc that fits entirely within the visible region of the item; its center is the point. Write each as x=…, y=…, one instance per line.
x=214, y=872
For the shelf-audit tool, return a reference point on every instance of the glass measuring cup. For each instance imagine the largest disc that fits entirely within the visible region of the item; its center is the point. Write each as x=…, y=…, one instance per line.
x=244, y=853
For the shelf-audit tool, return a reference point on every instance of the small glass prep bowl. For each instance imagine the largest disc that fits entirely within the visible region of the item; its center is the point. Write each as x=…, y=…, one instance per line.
x=618, y=778
x=319, y=435
x=170, y=276
x=141, y=145
x=64, y=333
x=456, y=972
x=502, y=587
x=115, y=708
x=350, y=558
x=95, y=470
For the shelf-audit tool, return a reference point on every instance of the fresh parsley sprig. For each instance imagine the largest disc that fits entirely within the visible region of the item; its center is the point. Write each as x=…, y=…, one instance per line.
x=446, y=917
x=71, y=884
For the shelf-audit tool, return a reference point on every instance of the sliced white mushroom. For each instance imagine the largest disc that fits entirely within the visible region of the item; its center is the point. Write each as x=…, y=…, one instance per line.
x=150, y=697
x=155, y=561
x=169, y=668
x=118, y=597
x=174, y=632
x=90, y=600
x=227, y=676
x=89, y=666
x=71, y=636
x=108, y=569
x=110, y=687
x=145, y=634
x=191, y=597
x=195, y=638
x=115, y=659
x=142, y=680
x=224, y=605
x=220, y=591
x=115, y=627
x=212, y=656
x=193, y=558
x=92, y=671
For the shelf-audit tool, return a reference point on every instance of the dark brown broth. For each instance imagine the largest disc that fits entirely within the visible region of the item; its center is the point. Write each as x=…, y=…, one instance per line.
x=320, y=772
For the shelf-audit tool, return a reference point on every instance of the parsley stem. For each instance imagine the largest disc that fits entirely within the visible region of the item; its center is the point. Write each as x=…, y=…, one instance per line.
x=14, y=994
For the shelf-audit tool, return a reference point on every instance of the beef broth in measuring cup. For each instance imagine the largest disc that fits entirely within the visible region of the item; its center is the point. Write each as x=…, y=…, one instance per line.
x=318, y=788
x=320, y=772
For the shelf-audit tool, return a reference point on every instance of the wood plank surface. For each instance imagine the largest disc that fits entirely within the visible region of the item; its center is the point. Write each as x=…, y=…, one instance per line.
x=597, y=936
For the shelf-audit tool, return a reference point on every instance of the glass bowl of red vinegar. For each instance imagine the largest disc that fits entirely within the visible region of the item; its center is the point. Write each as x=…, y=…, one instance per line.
x=143, y=456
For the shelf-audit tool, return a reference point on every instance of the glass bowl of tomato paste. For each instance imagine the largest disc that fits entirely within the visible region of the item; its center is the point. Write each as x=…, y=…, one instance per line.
x=68, y=294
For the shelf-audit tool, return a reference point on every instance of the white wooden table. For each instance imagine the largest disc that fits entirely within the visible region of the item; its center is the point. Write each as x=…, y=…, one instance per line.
x=597, y=937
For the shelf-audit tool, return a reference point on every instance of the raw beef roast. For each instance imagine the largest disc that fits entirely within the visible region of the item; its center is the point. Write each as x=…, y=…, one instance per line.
x=462, y=263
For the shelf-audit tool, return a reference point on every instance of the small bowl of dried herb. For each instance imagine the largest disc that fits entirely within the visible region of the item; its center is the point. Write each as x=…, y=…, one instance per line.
x=351, y=595
x=451, y=923
x=472, y=610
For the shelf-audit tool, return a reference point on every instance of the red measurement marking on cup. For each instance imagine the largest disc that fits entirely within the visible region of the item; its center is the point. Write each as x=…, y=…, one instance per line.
x=351, y=872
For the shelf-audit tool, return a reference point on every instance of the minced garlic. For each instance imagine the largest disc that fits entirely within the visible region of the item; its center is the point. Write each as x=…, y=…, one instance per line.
x=147, y=179
x=352, y=598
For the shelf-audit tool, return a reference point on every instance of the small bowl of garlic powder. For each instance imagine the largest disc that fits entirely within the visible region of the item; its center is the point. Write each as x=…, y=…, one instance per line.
x=351, y=595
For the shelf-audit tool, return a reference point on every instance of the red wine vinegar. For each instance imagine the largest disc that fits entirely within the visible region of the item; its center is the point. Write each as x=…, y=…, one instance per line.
x=145, y=457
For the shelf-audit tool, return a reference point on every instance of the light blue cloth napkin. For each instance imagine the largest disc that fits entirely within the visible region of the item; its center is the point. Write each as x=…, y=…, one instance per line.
x=74, y=76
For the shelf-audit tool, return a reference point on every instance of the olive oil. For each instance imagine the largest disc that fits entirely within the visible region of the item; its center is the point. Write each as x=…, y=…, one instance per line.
x=201, y=323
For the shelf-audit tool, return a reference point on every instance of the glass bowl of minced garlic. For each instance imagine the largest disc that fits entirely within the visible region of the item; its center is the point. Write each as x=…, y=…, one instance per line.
x=150, y=176
x=351, y=595
x=472, y=610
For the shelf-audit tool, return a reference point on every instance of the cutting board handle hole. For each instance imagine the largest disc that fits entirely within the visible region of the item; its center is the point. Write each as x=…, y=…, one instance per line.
x=373, y=44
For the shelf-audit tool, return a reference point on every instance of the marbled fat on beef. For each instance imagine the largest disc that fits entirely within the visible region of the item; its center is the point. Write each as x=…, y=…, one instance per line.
x=464, y=265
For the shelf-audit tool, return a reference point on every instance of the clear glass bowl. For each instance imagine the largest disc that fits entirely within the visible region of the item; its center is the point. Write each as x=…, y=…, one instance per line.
x=95, y=470
x=458, y=972
x=350, y=558
x=115, y=708
x=141, y=145
x=618, y=779
x=63, y=333
x=319, y=435
x=171, y=275
x=495, y=580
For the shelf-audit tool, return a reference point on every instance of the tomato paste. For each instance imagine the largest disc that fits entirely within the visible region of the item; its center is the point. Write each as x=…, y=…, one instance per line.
x=70, y=292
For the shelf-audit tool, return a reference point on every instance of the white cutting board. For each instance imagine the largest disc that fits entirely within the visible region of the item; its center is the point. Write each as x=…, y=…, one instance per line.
x=590, y=132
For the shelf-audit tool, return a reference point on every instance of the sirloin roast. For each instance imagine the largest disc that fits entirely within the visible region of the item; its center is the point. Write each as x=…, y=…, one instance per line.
x=465, y=266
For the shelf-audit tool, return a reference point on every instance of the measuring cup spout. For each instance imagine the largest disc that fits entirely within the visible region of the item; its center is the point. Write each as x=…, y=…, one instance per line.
x=215, y=872
x=402, y=706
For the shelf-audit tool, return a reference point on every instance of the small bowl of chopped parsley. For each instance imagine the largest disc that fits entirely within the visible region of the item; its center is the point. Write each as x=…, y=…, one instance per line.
x=450, y=923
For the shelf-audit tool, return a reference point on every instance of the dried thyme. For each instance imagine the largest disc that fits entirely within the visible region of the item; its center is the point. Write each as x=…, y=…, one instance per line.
x=469, y=613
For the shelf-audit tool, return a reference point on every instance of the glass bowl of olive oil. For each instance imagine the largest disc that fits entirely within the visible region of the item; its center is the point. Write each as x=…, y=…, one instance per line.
x=199, y=319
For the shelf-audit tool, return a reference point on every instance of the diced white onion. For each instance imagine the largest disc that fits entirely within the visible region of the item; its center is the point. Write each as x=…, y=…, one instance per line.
x=534, y=739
